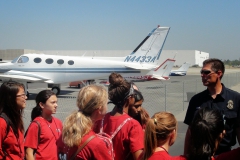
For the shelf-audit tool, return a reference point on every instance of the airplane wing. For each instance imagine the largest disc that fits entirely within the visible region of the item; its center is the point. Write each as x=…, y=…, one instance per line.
x=22, y=76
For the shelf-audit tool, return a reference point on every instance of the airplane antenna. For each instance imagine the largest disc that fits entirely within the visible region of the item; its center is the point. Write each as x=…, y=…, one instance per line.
x=175, y=56
x=84, y=54
x=93, y=54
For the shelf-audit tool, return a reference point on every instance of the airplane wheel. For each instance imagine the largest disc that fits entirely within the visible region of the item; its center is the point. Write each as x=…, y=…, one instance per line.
x=56, y=90
x=79, y=85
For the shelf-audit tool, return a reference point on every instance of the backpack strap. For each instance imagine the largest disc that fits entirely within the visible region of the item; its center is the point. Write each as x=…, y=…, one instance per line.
x=8, y=122
x=5, y=117
x=81, y=147
x=119, y=127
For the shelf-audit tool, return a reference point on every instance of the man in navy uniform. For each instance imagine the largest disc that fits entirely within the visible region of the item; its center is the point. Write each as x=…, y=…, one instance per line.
x=216, y=96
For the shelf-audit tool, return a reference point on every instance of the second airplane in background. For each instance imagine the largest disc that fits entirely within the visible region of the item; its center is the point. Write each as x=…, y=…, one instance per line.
x=182, y=71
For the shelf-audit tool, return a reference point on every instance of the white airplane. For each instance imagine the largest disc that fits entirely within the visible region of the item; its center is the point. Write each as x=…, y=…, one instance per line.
x=182, y=71
x=56, y=69
x=159, y=73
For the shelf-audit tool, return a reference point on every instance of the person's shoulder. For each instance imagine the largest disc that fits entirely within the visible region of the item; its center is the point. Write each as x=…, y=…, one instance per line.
x=232, y=92
x=181, y=157
x=38, y=119
x=3, y=123
x=200, y=94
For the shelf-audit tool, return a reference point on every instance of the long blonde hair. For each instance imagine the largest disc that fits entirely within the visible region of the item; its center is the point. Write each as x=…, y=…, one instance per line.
x=158, y=128
x=79, y=123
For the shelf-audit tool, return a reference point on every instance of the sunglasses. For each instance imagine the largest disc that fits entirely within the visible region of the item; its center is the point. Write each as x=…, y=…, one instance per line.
x=206, y=72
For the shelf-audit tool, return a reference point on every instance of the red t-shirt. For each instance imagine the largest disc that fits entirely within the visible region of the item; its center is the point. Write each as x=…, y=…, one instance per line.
x=50, y=132
x=128, y=140
x=14, y=146
x=93, y=150
x=163, y=155
x=231, y=155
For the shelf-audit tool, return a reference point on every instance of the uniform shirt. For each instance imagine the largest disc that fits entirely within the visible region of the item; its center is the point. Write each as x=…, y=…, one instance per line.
x=93, y=150
x=13, y=146
x=227, y=102
x=128, y=140
x=162, y=155
x=50, y=132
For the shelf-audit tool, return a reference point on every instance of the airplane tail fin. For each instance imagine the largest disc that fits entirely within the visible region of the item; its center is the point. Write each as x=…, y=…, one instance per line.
x=162, y=72
x=184, y=67
x=149, y=50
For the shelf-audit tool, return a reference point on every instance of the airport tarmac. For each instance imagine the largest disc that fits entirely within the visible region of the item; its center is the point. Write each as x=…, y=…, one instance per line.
x=152, y=90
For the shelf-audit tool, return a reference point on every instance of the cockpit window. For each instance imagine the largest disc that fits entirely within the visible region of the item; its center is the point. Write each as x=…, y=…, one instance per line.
x=37, y=60
x=23, y=59
x=70, y=62
x=49, y=61
x=60, y=61
x=15, y=60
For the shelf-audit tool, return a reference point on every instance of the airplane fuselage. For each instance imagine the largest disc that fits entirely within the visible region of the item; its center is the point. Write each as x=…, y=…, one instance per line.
x=60, y=69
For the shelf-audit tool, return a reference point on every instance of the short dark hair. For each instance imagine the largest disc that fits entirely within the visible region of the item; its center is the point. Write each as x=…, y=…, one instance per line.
x=216, y=65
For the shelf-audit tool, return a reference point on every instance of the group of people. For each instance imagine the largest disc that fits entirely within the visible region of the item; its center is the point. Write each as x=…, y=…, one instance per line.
x=125, y=133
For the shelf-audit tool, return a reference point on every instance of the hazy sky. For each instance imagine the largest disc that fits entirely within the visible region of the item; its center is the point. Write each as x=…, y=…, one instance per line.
x=207, y=25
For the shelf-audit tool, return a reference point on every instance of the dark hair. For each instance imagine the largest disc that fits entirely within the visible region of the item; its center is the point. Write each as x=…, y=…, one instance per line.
x=216, y=65
x=205, y=129
x=138, y=96
x=118, y=89
x=42, y=96
x=8, y=104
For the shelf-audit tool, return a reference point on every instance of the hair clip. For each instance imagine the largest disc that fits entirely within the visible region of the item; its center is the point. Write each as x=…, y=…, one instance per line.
x=155, y=121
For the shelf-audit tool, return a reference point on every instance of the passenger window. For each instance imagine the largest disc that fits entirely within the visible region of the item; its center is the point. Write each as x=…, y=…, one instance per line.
x=37, y=60
x=49, y=61
x=23, y=59
x=70, y=62
x=60, y=61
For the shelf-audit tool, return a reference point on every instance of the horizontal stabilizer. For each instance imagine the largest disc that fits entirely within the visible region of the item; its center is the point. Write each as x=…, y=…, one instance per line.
x=160, y=77
x=140, y=66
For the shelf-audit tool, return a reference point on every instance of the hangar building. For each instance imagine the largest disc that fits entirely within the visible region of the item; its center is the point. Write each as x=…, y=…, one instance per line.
x=194, y=57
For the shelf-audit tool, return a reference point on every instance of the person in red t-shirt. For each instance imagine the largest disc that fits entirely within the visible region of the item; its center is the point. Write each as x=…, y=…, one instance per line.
x=12, y=103
x=160, y=134
x=43, y=132
x=77, y=127
x=128, y=142
x=137, y=111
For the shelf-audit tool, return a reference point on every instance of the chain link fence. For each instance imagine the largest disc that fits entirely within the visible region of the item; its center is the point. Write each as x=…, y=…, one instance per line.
x=173, y=97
